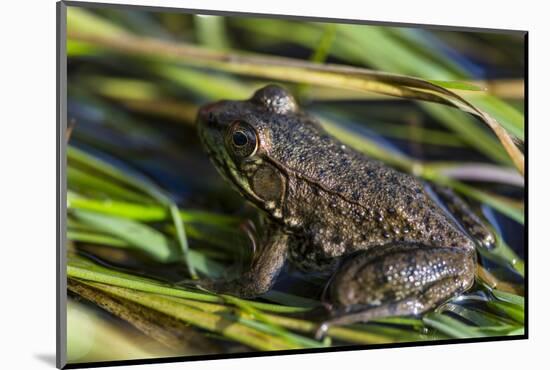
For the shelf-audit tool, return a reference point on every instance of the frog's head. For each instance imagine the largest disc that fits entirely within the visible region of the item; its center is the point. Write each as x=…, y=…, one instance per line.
x=238, y=136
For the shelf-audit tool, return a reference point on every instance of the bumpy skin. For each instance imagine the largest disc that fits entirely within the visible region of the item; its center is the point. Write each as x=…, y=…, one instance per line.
x=331, y=208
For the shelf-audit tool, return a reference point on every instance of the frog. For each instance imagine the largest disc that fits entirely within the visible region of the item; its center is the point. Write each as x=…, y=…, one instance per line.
x=386, y=244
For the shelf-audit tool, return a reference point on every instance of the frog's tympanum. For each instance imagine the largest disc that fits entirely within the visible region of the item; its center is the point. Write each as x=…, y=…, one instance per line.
x=391, y=248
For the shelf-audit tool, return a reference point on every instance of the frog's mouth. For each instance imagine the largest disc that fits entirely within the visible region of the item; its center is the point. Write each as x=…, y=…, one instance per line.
x=213, y=145
x=211, y=135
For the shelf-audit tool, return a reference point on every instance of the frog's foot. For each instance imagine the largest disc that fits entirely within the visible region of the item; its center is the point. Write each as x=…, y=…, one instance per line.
x=398, y=280
x=406, y=307
x=242, y=287
x=475, y=227
x=249, y=228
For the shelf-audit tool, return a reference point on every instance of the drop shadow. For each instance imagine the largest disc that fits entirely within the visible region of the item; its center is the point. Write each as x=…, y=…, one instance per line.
x=47, y=358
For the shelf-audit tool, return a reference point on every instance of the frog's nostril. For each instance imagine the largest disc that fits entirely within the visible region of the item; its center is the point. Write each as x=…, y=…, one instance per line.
x=206, y=113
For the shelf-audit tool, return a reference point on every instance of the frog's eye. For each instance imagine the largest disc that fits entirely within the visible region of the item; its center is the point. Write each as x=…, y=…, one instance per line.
x=242, y=139
x=239, y=139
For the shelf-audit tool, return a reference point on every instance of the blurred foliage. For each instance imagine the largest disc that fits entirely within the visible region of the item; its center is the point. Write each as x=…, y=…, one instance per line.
x=146, y=210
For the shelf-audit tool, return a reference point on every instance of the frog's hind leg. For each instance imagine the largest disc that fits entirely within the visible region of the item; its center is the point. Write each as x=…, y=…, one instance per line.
x=398, y=280
x=471, y=222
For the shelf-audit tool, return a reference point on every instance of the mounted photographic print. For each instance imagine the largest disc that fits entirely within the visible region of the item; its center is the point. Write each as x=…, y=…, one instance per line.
x=237, y=184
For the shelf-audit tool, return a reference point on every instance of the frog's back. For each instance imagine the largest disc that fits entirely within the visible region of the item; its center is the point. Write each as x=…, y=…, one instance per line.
x=355, y=202
x=327, y=164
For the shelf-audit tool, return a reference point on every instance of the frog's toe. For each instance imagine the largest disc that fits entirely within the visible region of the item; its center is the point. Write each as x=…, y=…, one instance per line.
x=200, y=284
x=186, y=283
x=364, y=315
x=488, y=241
x=322, y=330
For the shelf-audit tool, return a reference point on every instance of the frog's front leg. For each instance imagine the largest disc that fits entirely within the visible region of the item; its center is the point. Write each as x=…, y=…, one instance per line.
x=398, y=279
x=266, y=265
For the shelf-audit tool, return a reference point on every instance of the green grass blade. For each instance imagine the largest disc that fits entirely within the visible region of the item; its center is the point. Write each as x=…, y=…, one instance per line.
x=78, y=179
x=469, y=130
x=141, y=184
x=147, y=212
x=80, y=268
x=457, y=85
x=475, y=316
x=512, y=311
x=138, y=235
x=506, y=114
x=217, y=323
x=513, y=299
x=211, y=31
x=269, y=324
x=450, y=326
x=96, y=238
